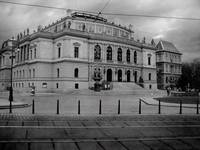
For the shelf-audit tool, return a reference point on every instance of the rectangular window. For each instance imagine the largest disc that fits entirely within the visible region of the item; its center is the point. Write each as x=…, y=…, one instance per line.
x=18, y=56
x=21, y=54
x=76, y=86
x=149, y=60
x=25, y=52
x=29, y=73
x=35, y=53
x=44, y=85
x=23, y=74
x=58, y=72
x=28, y=52
x=20, y=74
x=33, y=73
x=31, y=55
x=149, y=76
x=59, y=49
x=76, y=52
x=57, y=85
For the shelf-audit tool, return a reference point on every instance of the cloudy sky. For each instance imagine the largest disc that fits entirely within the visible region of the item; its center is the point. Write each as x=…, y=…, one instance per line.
x=185, y=34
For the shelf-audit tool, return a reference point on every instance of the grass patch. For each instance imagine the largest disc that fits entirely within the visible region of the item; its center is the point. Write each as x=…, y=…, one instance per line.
x=177, y=99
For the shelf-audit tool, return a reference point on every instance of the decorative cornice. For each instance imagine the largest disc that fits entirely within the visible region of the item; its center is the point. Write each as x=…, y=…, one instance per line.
x=86, y=35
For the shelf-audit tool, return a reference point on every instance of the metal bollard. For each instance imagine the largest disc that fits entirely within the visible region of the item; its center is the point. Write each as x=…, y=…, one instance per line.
x=100, y=107
x=139, y=106
x=79, y=107
x=180, y=112
x=57, y=106
x=118, y=107
x=10, y=107
x=159, y=108
x=197, y=106
x=33, y=107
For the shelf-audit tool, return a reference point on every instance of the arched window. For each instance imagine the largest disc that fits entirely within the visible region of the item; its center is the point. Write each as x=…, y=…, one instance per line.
x=128, y=55
x=97, y=52
x=135, y=57
x=109, y=53
x=76, y=73
x=119, y=54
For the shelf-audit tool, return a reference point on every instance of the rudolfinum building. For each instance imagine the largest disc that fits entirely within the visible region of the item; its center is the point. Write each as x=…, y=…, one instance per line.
x=70, y=52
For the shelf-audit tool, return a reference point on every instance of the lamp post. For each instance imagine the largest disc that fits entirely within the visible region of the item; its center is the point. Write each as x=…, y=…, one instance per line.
x=11, y=77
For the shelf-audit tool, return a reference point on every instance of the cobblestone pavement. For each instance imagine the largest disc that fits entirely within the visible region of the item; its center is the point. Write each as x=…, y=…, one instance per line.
x=140, y=132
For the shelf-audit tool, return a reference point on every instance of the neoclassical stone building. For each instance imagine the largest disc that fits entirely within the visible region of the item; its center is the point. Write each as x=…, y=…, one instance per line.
x=169, y=64
x=65, y=55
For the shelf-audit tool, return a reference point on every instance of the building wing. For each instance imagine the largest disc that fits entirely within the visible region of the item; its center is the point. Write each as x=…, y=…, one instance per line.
x=167, y=46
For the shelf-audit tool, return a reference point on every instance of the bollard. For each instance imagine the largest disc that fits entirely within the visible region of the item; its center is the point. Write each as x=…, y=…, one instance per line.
x=139, y=106
x=197, y=106
x=33, y=107
x=118, y=107
x=57, y=106
x=159, y=108
x=79, y=107
x=100, y=107
x=10, y=107
x=180, y=112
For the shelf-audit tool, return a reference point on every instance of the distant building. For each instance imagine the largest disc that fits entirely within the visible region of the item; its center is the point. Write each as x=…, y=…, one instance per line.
x=168, y=62
x=5, y=63
x=67, y=54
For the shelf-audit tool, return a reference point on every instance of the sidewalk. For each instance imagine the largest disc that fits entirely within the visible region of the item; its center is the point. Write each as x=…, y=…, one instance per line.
x=5, y=104
x=153, y=102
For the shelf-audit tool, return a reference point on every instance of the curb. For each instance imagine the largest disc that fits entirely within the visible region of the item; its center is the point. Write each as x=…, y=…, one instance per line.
x=15, y=106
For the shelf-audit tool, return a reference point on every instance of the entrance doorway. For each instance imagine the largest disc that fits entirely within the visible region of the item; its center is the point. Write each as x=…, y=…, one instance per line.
x=128, y=76
x=109, y=75
x=119, y=75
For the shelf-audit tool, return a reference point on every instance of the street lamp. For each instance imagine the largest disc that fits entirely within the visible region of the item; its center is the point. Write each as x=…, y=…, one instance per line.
x=11, y=72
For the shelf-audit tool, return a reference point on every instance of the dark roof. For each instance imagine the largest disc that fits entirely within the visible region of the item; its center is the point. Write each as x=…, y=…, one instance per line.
x=167, y=46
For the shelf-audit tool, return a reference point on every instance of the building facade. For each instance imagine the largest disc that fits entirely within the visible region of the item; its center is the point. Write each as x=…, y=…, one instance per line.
x=168, y=61
x=66, y=55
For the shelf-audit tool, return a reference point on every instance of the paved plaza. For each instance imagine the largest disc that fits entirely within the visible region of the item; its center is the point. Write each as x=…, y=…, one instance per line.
x=86, y=129
x=46, y=103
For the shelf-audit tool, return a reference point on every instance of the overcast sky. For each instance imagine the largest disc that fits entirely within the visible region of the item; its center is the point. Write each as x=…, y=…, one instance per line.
x=185, y=34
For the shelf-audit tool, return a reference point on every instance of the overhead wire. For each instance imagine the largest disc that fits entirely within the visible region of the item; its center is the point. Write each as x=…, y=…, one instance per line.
x=105, y=13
